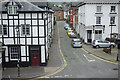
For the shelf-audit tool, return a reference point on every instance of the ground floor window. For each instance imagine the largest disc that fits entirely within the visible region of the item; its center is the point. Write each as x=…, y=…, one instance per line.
x=98, y=34
x=14, y=52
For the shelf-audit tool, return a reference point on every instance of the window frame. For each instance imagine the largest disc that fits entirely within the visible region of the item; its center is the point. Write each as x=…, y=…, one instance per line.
x=4, y=28
x=59, y=12
x=59, y=17
x=14, y=50
x=25, y=33
x=112, y=10
x=113, y=19
x=13, y=10
x=99, y=10
x=98, y=19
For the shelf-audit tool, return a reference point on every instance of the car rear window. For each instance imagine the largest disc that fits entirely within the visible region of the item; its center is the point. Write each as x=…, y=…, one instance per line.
x=76, y=40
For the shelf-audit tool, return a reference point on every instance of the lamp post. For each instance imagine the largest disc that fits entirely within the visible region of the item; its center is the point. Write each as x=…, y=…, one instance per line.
x=111, y=22
x=18, y=64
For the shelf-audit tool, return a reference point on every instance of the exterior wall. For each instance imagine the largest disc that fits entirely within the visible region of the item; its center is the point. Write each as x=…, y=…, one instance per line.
x=0, y=60
x=75, y=20
x=65, y=15
x=71, y=16
x=119, y=18
x=40, y=31
x=57, y=15
x=105, y=18
x=87, y=18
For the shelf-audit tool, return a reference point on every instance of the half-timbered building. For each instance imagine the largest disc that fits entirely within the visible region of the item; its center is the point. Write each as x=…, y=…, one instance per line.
x=24, y=33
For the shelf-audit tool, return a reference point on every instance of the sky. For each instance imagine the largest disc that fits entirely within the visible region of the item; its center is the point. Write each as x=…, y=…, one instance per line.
x=62, y=0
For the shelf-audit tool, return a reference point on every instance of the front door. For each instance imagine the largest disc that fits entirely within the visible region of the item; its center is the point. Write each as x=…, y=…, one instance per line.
x=89, y=36
x=35, y=59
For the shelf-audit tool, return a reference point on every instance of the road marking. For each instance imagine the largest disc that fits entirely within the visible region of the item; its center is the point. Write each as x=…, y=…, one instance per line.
x=61, y=68
x=100, y=58
x=67, y=75
x=84, y=50
x=57, y=76
x=88, y=59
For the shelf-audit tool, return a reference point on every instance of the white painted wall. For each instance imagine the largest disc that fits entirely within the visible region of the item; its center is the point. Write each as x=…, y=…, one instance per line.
x=87, y=16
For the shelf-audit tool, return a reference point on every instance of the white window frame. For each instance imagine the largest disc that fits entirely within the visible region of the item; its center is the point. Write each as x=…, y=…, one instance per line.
x=111, y=10
x=99, y=9
x=25, y=29
x=98, y=20
x=3, y=29
x=112, y=18
x=12, y=9
x=14, y=50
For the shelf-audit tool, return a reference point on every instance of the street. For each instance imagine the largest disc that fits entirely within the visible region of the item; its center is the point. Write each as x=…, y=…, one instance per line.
x=81, y=64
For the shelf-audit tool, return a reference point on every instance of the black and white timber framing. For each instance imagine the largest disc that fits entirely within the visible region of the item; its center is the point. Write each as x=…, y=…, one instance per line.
x=37, y=40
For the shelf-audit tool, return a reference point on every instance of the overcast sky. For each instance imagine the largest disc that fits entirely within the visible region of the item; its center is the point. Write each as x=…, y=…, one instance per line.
x=53, y=0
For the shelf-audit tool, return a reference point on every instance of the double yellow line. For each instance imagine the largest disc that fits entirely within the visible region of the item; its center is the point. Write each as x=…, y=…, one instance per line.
x=60, y=68
x=99, y=58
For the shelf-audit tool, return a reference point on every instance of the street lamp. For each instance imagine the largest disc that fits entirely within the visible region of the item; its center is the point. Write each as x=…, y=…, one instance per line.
x=111, y=22
x=93, y=28
x=18, y=64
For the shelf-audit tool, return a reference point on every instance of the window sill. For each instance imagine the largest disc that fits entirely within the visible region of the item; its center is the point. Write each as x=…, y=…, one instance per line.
x=12, y=14
x=113, y=13
x=98, y=13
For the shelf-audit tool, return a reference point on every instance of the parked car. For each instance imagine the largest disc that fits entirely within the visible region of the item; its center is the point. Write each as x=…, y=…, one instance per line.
x=76, y=43
x=66, y=27
x=73, y=35
x=70, y=32
x=69, y=29
x=102, y=43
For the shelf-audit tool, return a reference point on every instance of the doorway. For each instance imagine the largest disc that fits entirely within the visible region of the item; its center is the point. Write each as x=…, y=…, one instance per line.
x=89, y=36
x=35, y=56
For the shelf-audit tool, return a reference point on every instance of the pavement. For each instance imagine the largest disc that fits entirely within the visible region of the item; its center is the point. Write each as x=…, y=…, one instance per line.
x=54, y=63
x=101, y=54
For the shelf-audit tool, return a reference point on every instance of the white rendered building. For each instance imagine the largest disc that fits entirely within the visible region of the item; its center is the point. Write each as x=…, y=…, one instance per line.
x=94, y=17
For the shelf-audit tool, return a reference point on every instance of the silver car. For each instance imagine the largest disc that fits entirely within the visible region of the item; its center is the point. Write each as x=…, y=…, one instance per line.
x=102, y=43
x=73, y=35
x=76, y=43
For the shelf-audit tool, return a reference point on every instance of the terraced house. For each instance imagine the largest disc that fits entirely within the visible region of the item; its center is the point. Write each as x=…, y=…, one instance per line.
x=25, y=32
x=95, y=18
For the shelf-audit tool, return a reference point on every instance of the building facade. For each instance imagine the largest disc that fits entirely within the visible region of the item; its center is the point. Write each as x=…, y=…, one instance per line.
x=0, y=60
x=119, y=18
x=25, y=32
x=71, y=11
x=94, y=19
x=58, y=13
x=75, y=20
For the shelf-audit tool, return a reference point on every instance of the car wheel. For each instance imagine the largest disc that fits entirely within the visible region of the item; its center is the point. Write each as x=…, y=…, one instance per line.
x=112, y=46
x=97, y=47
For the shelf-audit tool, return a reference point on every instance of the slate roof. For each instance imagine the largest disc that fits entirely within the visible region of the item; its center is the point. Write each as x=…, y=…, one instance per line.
x=57, y=9
x=74, y=4
x=25, y=6
x=42, y=4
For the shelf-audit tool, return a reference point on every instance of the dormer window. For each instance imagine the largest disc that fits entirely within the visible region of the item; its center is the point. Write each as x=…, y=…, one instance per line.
x=12, y=9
